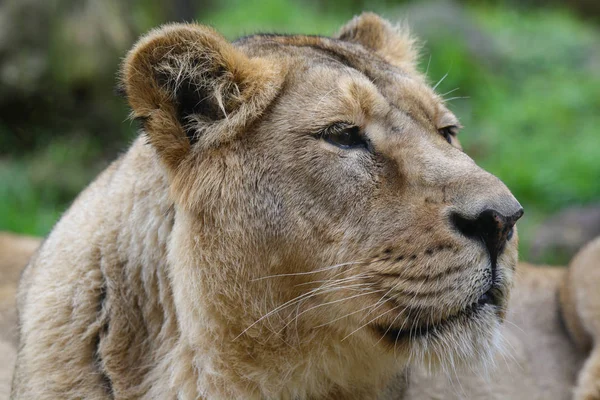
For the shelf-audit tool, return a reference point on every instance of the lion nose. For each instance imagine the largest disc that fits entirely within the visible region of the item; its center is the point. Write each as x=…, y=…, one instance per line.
x=490, y=226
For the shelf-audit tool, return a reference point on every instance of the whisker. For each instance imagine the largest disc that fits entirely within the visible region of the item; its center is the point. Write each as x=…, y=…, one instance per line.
x=441, y=80
x=509, y=353
x=324, y=96
x=328, y=303
x=457, y=97
x=359, y=275
x=378, y=304
x=451, y=91
x=407, y=317
x=428, y=62
x=309, y=272
x=343, y=316
x=362, y=326
x=506, y=321
x=279, y=308
x=297, y=299
x=298, y=313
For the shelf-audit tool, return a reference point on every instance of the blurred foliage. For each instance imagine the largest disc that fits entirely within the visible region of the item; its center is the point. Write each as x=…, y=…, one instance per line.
x=524, y=81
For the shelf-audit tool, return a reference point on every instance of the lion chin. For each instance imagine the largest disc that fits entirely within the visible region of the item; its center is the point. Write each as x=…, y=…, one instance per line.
x=296, y=220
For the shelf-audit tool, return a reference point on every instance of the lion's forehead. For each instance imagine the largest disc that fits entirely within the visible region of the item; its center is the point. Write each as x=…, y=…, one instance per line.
x=345, y=77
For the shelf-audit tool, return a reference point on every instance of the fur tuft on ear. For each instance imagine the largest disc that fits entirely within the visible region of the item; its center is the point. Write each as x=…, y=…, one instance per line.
x=393, y=43
x=189, y=84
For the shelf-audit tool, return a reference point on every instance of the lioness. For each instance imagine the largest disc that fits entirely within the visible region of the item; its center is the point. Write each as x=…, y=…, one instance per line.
x=296, y=220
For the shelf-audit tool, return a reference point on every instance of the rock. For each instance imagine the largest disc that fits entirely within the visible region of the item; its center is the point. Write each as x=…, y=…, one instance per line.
x=562, y=235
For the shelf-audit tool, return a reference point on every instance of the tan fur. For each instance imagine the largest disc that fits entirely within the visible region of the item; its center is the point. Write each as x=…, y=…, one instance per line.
x=539, y=361
x=580, y=297
x=14, y=254
x=233, y=253
x=393, y=43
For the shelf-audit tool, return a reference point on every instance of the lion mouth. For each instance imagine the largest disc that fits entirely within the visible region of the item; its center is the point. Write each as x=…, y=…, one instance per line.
x=394, y=335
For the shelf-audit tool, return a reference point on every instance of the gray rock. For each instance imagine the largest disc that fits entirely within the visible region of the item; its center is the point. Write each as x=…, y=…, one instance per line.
x=562, y=235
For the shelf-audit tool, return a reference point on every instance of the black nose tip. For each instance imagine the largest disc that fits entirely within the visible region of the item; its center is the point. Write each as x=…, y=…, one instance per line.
x=490, y=226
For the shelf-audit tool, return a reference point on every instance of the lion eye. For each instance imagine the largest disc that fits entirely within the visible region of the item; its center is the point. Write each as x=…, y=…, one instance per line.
x=448, y=132
x=344, y=136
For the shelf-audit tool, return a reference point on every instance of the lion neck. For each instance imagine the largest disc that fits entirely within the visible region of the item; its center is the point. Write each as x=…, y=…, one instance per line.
x=239, y=357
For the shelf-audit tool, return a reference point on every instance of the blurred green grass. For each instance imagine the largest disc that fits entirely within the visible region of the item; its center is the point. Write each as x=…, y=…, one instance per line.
x=35, y=189
x=525, y=84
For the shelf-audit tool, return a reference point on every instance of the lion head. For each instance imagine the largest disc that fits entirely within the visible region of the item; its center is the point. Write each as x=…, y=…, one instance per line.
x=327, y=219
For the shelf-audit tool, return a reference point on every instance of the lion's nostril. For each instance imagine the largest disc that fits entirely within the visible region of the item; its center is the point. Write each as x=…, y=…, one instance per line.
x=491, y=227
x=465, y=226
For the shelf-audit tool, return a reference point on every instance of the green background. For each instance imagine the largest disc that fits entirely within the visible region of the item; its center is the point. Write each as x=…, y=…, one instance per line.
x=523, y=79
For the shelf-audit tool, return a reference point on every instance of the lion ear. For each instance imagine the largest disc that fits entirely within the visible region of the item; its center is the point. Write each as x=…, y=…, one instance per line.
x=191, y=87
x=393, y=43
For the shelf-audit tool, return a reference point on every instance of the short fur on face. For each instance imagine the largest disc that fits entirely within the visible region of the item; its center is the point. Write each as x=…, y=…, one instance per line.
x=237, y=252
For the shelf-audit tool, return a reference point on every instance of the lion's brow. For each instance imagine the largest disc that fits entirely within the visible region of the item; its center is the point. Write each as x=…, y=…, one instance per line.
x=349, y=54
x=341, y=53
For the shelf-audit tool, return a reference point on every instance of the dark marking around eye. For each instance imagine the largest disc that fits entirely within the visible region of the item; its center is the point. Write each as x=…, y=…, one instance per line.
x=448, y=132
x=344, y=136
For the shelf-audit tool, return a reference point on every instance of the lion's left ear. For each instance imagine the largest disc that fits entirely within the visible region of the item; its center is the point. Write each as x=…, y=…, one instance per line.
x=393, y=43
